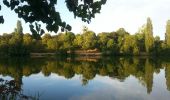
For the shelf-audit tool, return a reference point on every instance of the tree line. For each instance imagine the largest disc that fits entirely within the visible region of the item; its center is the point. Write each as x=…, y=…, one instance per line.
x=119, y=42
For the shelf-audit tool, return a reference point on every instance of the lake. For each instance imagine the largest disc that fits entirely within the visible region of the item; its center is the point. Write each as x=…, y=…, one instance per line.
x=85, y=79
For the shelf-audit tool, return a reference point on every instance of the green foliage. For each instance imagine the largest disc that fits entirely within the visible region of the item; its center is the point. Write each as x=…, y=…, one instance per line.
x=157, y=45
x=52, y=44
x=16, y=41
x=103, y=40
x=136, y=50
x=167, y=34
x=46, y=12
x=78, y=41
x=27, y=43
x=106, y=43
x=122, y=32
x=140, y=41
x=66, y=40
x=89, y=40
x=149, y=40
x=4, y=43
x=45, y=38
x=130, y=45
x=37, y=32
x=110, y=44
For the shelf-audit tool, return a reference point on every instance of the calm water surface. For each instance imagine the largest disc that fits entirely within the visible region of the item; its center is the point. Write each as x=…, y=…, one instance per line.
x=88, y=79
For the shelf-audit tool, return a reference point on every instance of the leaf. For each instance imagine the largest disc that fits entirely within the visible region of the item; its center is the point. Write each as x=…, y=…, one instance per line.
x=1, y=19
x=68, y=27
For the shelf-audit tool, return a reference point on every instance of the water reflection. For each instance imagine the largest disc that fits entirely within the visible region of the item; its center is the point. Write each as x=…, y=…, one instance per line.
x=120, y=69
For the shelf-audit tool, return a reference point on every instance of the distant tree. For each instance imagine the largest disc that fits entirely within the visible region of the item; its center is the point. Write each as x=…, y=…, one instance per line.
x=4, y=43
x=127, y=48
x=18, y=32
x=45, y=38
x=149, y=40
x=122, y=32
x=130, y=45
x=28, y=43
x=16, y=41
x=110, y=44
x=112, y=47
x=78, y=41
x=53, y=44
x=141, y=42
x=157, y=45
x=136, y=50
x=37, y=32
x=66, y=40
x=102, y=41
x=167, y=34
x=89, y=40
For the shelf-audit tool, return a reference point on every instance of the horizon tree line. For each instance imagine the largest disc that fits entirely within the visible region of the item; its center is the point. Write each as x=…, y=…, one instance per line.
x=119, y=42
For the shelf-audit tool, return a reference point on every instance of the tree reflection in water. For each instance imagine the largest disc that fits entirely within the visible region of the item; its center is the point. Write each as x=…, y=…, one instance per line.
x=119, y=68
x=10, y=90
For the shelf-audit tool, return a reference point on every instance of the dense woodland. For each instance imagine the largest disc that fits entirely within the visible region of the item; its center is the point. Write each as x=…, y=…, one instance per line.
x=119, y=42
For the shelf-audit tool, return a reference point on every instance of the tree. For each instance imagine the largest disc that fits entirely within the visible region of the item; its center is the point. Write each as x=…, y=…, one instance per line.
x=122, y=32
x=19, y=32
x=45, y=11
x=136, y=50
x=140, y=36
x=130, y=45
x=127, y=45
x=112, y=47
x=66, y=40
x=103, y=40
x=141, y=41
x=110, y=44
x=4, y=43
x=78, y=41
x=89, y=40
x=167, y=34
x=45, y=38
x=157, y=46
x=16, y=41
x=27, y=42
x=149, y=40
x=52, y=44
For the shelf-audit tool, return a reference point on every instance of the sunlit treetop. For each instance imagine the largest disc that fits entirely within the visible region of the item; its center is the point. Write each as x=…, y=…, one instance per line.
x=45, y=11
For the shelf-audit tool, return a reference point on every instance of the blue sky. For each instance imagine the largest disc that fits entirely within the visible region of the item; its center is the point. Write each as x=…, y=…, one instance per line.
x=129, y=14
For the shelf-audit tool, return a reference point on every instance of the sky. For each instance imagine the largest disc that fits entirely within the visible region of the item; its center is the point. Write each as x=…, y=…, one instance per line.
x=115, y=14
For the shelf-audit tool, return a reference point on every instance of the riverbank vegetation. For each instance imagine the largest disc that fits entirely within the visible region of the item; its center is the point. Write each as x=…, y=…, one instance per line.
x=119, y=42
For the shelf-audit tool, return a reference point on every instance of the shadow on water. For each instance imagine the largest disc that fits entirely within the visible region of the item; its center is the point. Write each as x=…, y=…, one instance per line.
x=116, y=68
